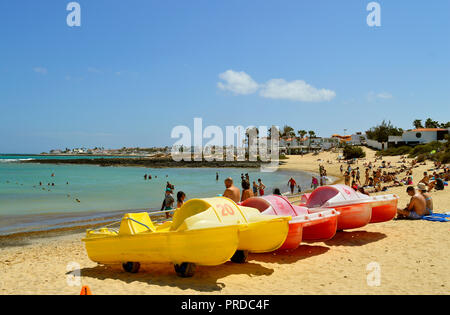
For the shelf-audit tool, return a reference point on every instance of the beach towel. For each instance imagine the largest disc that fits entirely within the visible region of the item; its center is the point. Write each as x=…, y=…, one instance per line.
x=437, y=217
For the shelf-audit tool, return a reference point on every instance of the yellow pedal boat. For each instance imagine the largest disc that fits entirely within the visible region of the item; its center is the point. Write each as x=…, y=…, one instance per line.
x=206, y=231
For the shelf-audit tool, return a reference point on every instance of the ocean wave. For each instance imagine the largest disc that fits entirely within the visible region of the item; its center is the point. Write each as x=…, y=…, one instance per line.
x=14, y=160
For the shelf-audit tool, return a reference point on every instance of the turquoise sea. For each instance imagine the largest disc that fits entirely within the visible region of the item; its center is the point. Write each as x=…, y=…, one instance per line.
x=78, y=193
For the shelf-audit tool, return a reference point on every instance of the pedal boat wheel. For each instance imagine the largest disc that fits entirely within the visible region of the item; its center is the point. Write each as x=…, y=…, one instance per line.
x=185, y=270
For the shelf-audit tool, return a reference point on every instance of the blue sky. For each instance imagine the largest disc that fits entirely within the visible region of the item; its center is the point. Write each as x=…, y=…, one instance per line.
x=136, y=69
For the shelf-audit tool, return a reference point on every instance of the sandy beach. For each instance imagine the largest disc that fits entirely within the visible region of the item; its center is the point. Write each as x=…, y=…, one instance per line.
x=413, y=257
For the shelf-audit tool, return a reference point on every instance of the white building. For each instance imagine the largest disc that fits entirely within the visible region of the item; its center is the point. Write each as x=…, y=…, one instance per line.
x=358, y=138
x=419, y=136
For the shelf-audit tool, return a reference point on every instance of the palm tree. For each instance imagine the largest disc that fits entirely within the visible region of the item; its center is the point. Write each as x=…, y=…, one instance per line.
x=429, y=123
x=288, y=132
x=417, y=123
x=301, y=133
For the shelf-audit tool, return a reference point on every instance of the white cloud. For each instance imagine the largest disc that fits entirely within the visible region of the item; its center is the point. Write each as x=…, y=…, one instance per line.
x=384, y=95
x=94, y=70
x=40, y=70
x=297, y=90
x=372, y=96
x=237, y=82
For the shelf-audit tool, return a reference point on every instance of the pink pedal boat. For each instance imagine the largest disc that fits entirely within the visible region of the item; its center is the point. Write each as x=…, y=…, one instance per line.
x=356, y=209
x=305, y=225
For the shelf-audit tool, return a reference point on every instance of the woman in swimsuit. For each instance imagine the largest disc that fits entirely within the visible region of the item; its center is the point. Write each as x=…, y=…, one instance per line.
x=429, y=200
x=261, y=187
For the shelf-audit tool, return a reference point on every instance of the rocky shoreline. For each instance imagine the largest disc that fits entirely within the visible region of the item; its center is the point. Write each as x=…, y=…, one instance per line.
x=151, y=162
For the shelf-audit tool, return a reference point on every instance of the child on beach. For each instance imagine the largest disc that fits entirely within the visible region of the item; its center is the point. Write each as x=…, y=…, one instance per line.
x=314, y=183
x=180, y=199
x=255, y=188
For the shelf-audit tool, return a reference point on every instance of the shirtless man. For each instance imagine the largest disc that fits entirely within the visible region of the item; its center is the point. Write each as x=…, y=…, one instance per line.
x=416, y=208
x=231, y=191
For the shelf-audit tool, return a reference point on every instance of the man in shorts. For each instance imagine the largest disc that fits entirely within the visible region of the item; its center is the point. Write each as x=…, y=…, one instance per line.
x=416, y=208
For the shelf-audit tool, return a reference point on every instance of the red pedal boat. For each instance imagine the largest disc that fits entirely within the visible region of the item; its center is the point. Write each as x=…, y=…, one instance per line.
x=305, y=225
x=356, y=209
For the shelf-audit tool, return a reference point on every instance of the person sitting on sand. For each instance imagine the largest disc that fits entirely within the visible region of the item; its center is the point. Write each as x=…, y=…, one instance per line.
x=429, y=200
x=231, y=191
x=425, y=179
x=277, y=192
x=416, y=208
x=246, y=191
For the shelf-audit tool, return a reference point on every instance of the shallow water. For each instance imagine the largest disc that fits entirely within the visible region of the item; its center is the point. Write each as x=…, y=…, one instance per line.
x=25, y=205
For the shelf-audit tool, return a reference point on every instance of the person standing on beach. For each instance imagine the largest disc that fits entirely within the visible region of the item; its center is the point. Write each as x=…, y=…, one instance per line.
x=261, y=187
x=231, y=191
x=168, y=202
x=347, y=178
x=323, y=179
x=246, y=191
x=292, y=183
x=180, y=199
x=358, y=175
x=314, y=183
x=255, y=189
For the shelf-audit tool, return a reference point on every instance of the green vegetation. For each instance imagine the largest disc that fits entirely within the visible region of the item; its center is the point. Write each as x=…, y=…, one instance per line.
x=435, y=151
x=382, y=132
x=403, y=150
x=430, y=123
x=351, y=152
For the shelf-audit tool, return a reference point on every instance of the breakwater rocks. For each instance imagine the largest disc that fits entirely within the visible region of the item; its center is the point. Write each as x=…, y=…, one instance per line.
x=151, y=162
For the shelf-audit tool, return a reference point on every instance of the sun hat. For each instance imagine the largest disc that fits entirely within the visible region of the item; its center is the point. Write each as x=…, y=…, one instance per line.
x=422, y=186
